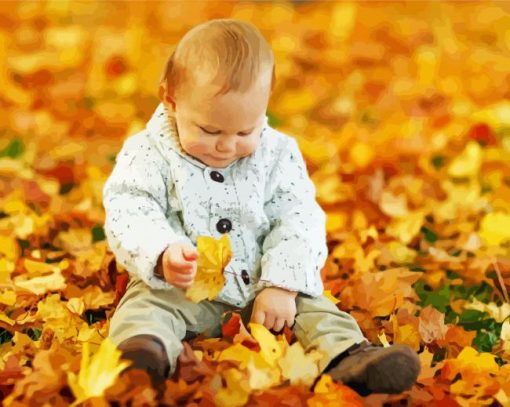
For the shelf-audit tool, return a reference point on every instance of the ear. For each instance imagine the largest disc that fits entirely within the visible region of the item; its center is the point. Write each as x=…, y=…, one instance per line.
x=165, y=96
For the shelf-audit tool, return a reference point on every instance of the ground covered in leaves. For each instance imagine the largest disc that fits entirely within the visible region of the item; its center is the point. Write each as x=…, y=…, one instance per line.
x=402, y=111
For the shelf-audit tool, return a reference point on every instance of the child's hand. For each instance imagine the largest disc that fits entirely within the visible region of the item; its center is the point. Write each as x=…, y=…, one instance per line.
x=273, y=307
x=180, y=264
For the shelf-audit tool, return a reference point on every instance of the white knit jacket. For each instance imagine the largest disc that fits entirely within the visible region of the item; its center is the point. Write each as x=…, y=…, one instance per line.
x=157, y=194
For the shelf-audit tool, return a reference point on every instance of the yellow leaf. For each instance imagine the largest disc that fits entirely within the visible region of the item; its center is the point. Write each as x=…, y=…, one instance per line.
x=342, y=21
x=8, y=297
x=76, y=305
x=495, y=228
x=237, y=352
x=496, y=115
x=427, y=60
x=9, y=247
x=270, y=348
x=299, y=367
x=96, y=373
x=463, y=197
x=467, y=164
x=329, y=393
x=237, y=390
x=75, y=240
x=393, y=205
x=401, y=253
x=472, y=364
x=5, y=318
x=383, y=339
x=499, y=312
x=92, y=334
x=409, y=335
x=58, y=317
x=261, y=374
x=213, y=257
x=93, y=297
x=406, y=334
x=333, y=190
x=39, y=285
x=505, y=335
x=327, y=293
x=407, y=227
x=336, y=221
x=297, y=101
x=361, y=154
x=38, y=267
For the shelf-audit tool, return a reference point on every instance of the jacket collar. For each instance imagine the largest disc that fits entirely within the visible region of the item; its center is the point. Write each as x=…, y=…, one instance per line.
x=163, y=133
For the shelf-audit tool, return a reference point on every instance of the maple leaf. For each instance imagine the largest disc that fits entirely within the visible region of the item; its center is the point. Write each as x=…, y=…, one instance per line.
x=328, y=393
x=271, y=348
x=470, y=364
x=236, y=330
x=380, y=293
x=213, y=257
x=42, y=277
x=237, y=389
x=300, y=367
x=431, y=326
x=406, y=333
x=97, y=373
x=467, y=164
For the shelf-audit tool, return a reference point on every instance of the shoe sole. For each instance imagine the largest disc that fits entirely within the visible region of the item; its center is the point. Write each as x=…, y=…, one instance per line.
x=375, y=376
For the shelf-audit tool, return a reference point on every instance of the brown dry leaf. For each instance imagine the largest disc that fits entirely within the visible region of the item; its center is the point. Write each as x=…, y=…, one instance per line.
x=432, y=326
x=47, y=378
x=382, y=292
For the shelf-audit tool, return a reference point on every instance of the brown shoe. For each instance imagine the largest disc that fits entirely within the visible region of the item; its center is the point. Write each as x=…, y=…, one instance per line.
x=369, y=368
x=146, y=352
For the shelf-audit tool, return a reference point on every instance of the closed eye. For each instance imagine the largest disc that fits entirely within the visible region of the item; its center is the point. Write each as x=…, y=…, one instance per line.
x=218, y=132
x=208, y=132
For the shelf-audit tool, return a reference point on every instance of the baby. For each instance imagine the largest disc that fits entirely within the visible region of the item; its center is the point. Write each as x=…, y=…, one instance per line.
x=208, y=163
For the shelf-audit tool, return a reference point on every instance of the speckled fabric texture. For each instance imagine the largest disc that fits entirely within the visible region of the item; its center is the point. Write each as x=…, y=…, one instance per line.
x=157, y=194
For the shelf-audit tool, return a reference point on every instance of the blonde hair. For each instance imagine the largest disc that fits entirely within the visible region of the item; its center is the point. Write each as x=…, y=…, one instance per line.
x=235, y=51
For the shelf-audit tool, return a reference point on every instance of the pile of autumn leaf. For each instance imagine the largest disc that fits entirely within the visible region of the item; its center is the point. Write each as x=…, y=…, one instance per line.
x=410, y=153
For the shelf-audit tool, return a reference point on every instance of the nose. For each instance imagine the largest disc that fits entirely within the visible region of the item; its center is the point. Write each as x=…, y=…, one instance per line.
x=225, y=145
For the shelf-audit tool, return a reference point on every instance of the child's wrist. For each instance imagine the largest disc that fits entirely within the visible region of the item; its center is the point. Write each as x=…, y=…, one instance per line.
x=293, y=293
x=158, y=270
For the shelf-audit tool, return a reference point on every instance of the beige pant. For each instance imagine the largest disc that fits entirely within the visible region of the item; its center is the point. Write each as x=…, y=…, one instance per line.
x=171, y=317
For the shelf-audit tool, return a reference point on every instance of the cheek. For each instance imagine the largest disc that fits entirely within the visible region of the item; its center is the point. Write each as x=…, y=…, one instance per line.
x=198, y=147
x=251, y=146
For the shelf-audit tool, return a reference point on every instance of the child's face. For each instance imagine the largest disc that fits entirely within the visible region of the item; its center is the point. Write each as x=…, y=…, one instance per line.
x=218, y=130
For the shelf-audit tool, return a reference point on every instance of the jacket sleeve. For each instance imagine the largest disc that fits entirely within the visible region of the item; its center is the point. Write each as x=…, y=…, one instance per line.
x=135, y=201
x=295, y=249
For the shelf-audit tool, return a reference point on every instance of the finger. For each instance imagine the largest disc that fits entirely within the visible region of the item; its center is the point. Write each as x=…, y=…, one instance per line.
x=269, y=321
x=183, y=271
x=193, y=268
x=182, y=266
x=189, y=253
x=290, y=322
x=176, y=259
x=258, y=317
x=278, y=326
x=183, y=279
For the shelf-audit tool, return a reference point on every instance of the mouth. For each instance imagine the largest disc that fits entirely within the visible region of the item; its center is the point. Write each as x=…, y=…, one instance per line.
x=219, y=159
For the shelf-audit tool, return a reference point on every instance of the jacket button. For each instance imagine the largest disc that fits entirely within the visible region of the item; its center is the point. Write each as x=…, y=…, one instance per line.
x=245, y=276
x=216, y=176
x=224, y=225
